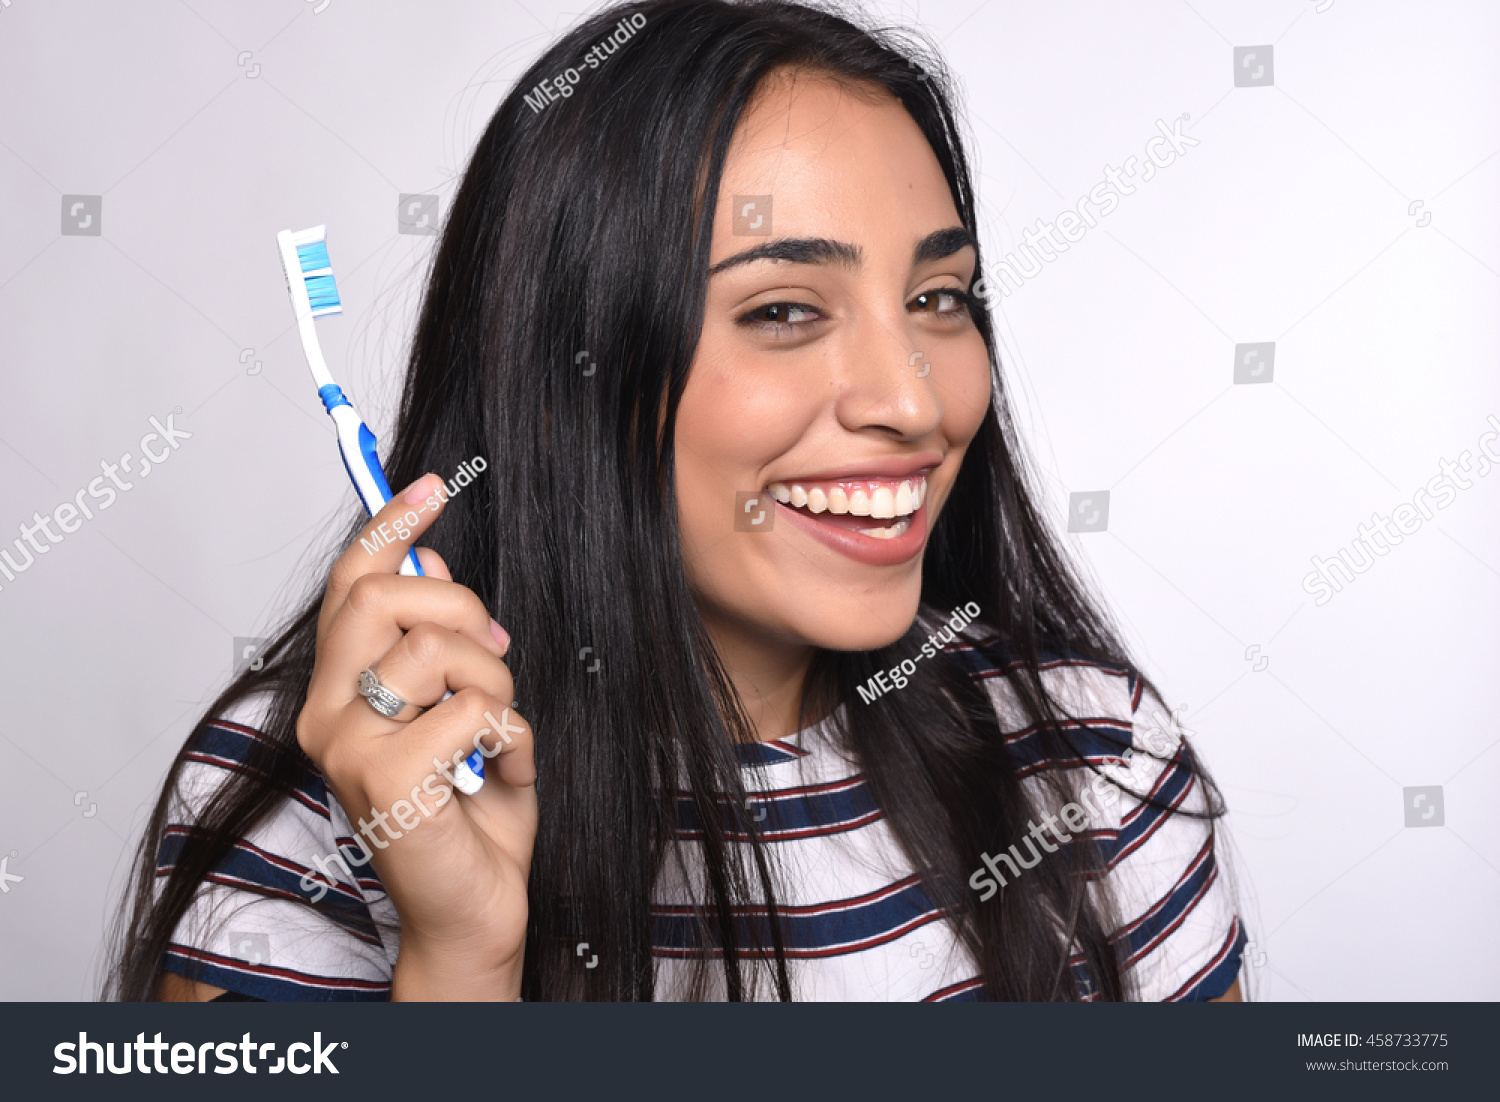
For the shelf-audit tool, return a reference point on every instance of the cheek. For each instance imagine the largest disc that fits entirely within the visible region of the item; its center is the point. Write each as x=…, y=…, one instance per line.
x=730, y=425
x=964, y=391
x=732, y=422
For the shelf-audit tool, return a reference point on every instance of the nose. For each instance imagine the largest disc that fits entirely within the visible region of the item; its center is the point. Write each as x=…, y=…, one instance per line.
x=886, y=381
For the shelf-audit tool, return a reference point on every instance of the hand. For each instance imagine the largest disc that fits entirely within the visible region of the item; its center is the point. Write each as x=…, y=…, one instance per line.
x=458, y=875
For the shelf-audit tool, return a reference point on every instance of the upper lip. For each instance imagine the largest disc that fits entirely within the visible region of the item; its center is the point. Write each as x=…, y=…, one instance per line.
x=890, y=466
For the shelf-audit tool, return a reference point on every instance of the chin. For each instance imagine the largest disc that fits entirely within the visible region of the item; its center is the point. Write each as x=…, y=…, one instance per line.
x=846, y=623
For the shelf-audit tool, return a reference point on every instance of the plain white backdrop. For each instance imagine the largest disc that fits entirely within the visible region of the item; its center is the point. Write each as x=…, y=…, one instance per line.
x=1344, y=211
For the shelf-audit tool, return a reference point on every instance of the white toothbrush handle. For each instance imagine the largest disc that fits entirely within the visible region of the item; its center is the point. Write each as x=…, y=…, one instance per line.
x=357, y=446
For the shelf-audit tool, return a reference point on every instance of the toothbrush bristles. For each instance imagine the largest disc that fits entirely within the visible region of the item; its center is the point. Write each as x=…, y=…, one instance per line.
x=323, y=294
x=317, y=275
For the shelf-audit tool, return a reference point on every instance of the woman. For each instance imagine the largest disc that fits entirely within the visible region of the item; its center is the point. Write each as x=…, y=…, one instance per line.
x=797, y=655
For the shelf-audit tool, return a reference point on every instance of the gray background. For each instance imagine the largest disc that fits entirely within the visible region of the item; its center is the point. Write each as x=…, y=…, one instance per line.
x=1291, y=222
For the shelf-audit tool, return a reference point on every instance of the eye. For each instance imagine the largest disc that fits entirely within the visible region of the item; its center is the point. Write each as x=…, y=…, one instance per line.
x=779, y=318
x=941, y=301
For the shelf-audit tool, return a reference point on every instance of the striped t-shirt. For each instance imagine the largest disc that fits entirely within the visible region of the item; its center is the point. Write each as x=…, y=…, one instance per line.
x=856, y=922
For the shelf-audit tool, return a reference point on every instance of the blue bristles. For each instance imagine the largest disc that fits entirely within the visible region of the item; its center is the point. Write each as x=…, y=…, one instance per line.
x=313, y=256
x=317, y=275
x=323, y=295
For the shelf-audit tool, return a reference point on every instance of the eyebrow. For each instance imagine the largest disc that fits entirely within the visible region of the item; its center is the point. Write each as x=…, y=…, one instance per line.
x=822, y=250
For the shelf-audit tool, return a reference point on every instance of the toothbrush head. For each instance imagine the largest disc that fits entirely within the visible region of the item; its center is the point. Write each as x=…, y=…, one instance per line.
x=315, y=271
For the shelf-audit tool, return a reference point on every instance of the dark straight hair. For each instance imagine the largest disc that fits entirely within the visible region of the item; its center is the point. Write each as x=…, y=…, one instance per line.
x=579, y=227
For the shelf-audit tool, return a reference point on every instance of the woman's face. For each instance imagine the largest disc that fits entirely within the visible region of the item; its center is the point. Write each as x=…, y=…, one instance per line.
x=838, y=380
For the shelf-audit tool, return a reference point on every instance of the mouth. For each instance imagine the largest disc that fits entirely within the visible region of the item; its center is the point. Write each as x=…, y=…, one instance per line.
x=878, y=508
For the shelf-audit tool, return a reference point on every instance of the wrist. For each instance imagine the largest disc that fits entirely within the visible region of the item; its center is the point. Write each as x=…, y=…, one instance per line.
x=431, y=973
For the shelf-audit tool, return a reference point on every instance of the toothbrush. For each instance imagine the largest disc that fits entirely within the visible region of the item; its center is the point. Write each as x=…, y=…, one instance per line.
x=310, y=282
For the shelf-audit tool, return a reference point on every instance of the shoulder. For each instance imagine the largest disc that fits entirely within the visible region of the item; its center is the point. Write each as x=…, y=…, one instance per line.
x=1097, y=702
x=284, y=913
x=233, y=745
x=1125, y=763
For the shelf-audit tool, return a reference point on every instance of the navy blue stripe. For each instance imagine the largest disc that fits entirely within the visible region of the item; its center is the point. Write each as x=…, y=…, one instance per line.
x=855, y=926
x=1096, y=741
x=234, y=744
x=1170, y=790
x=250, y=871
x=953, y=993
x=1083, y=980
x=780, y=817
x=267, y=983
x=766, y=753
x=1168, y=913
x=1218, y=979
x=988, y=657
x=365, y=876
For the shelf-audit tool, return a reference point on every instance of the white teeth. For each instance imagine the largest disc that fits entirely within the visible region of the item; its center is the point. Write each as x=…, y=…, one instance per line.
x=905, y=503
x=897, y=529
x=883, y=502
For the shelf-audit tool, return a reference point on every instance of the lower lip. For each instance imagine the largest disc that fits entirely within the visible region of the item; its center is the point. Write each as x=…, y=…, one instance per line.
x=861, y=548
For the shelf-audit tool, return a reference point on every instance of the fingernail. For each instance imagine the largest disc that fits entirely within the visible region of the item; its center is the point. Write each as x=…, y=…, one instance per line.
x=418, y=490
x=501, y=635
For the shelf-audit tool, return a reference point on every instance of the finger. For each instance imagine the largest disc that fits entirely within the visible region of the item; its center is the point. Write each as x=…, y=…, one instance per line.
x=433, y=565
x=430, y=660
x=385, y=540
x=380, y=607
x=442, y=738
x=498, y=733
x=510, y=750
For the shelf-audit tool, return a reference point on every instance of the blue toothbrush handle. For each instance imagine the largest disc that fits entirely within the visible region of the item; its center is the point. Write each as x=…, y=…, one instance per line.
x=362, y=462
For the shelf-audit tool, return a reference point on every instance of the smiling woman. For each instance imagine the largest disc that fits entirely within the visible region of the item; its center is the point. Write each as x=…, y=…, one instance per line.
x=700, y=802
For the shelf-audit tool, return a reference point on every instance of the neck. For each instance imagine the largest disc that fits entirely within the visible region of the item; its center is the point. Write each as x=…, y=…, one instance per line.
x=770, y=676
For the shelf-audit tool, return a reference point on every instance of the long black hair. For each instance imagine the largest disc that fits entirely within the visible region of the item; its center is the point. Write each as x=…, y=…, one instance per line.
x=579, y=228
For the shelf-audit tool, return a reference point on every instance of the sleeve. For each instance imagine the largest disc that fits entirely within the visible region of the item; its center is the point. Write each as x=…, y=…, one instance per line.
x=1182, y=938
x=288, y=914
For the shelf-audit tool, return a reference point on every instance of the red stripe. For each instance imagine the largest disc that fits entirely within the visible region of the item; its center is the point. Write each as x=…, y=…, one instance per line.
x=792, y=834
x=1057, y=663
x=1085, y=723
x=1049, y=764
x=1151, y=946
x=240, y=729
x=1203, y=855
x=821, y=952
x=304, y=978
x=674, y=909
x=954, y=989
x=1166, y=814
x=782, y=744
x=1186, y=989
x=771, y=795
x=291, y=866
x=239, y=767
x=1161, y=778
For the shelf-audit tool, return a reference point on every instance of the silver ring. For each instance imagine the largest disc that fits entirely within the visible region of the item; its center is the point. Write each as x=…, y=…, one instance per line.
x=379, y=697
